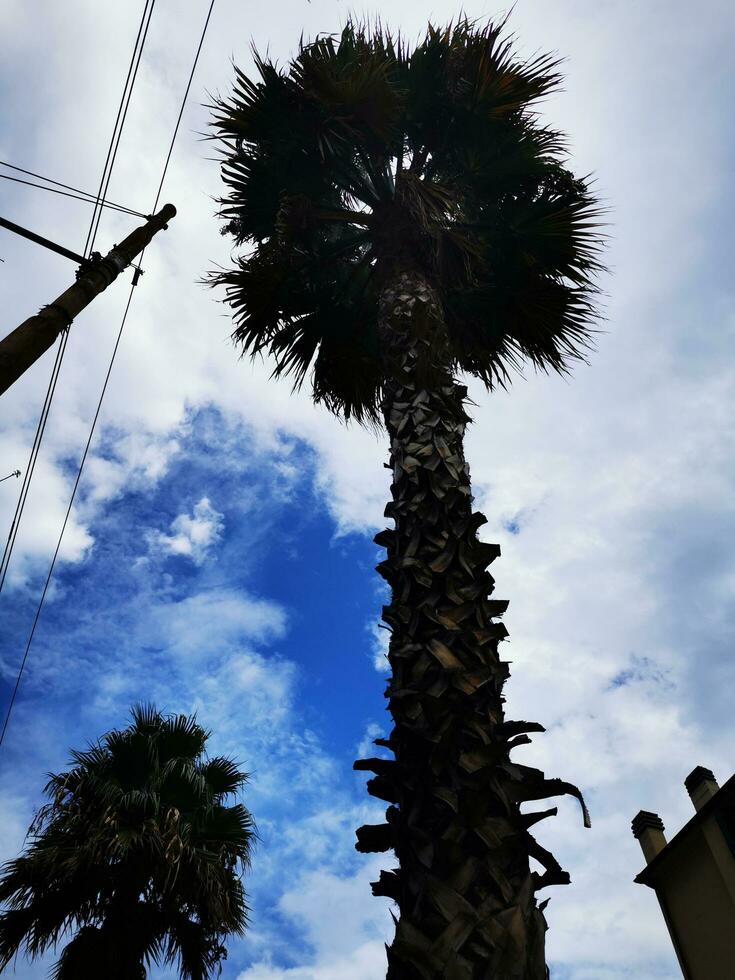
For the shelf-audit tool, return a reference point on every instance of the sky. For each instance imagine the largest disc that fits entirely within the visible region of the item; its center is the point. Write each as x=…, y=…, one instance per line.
x=219, y=558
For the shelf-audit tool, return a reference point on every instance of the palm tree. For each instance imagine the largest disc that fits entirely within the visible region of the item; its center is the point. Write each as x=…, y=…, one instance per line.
x=138, y=853
x=407, y=217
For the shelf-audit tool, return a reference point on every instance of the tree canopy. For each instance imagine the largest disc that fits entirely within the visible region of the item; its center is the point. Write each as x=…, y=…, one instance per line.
x=139, y=853
x=363, y=154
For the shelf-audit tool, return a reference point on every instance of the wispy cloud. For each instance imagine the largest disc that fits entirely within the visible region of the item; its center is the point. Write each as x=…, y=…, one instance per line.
x=192, y=535
x=342, y=924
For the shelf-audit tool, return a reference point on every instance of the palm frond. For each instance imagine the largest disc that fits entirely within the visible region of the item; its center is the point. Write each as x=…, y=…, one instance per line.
x=142, y=812
x=223, y=777
x=362, y=152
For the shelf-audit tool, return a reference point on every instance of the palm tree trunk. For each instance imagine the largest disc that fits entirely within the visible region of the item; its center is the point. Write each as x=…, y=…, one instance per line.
x=464, y=889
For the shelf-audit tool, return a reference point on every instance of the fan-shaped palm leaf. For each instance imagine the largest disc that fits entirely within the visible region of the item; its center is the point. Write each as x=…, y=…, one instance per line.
x=362, y=154
x=138, y=852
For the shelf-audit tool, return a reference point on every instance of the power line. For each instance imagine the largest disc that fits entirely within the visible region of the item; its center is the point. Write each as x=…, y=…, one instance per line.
x=76, y=197
x=66, y=518
x=102, y=394
x=68, y=187
x=35, y=449
x=122, y=113
x=78, y=194
x=183, y=103
x=14, y=473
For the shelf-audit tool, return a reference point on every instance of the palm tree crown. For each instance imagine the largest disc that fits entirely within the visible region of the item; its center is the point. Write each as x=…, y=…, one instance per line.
x=138, y=852
x=363, y=155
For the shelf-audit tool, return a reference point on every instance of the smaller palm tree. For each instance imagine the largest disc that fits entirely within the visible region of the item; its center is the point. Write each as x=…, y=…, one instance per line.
x=139, y=854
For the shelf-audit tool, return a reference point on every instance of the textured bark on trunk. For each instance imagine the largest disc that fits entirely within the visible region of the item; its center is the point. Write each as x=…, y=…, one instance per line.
x=464, y=890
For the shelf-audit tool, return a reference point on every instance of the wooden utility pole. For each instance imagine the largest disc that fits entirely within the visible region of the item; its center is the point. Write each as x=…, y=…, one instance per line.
x=21, y=348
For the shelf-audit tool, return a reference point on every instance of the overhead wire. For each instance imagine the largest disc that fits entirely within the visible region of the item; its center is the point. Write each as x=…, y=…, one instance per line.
x=35, y=449
x=76, y=197
x=102, y=393
x=28, y=474
x=122, y=113
x=183, y=103
x=83, y=195
x=63, y=526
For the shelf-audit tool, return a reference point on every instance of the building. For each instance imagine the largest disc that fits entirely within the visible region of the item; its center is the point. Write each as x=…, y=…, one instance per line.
x=693, y=876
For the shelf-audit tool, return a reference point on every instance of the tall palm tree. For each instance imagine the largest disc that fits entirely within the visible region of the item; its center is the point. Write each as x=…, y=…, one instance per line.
x=407, y=217
x=138, y=853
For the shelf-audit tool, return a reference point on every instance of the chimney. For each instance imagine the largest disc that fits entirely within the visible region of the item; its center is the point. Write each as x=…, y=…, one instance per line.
x=648, y=829
x=701, y=786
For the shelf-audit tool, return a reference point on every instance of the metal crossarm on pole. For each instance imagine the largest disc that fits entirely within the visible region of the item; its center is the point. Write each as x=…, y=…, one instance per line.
x=40, y=240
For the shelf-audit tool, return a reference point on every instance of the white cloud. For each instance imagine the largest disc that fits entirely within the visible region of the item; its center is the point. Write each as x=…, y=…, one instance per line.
x=44, y=513
x=366, y=748
x=133, y=461
x=365, y=962
x=216, y=618
x=342, y=923
x=193, y=535
x=380, y=636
